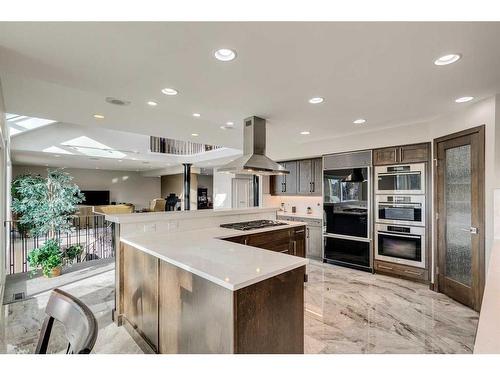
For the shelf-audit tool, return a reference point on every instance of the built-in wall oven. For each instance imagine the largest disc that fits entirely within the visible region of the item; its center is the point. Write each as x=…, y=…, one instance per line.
x=400, y=179
x=401, y=244
x=400, y=209
x=346, y=210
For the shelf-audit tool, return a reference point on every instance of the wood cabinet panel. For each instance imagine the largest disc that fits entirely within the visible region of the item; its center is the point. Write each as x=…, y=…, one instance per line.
x=385, y=156
x=402, y=154
x=140, y=293
x=269, y=316
x=401, y=270
x=414, y=153
x=291, y=178
x=299, y=242
x=314, y=242
x=305, y=177
x=195, y=315
x=289, y=241
x=317, y=181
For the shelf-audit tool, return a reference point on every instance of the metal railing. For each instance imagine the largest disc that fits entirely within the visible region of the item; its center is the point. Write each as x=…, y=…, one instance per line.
x=93, y=233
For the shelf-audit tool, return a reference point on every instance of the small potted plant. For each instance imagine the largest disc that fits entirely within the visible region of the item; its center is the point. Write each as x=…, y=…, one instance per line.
x=48, y=257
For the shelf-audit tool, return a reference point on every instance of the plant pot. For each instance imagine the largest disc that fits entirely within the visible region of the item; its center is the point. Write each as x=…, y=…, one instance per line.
x=55, y=272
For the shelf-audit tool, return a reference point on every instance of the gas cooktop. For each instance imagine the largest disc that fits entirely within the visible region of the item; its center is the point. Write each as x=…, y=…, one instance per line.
x=254, y=224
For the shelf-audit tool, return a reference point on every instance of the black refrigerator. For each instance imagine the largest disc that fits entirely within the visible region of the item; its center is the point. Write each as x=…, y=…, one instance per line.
x=347, y=210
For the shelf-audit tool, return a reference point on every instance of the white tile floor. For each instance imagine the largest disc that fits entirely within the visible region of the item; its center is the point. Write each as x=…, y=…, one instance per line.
x=346, y=311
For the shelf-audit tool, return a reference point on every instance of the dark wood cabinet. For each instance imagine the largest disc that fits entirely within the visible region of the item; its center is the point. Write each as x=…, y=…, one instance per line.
x=402, y=271
x=416, y=153
x=305, y=178
x=288, y=241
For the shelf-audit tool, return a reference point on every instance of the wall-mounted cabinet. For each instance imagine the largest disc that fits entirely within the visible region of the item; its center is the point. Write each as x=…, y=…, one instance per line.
x=416, y=153
x=305, y=178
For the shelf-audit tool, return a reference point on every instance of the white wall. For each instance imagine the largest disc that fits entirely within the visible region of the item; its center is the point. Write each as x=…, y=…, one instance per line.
x=124, y=186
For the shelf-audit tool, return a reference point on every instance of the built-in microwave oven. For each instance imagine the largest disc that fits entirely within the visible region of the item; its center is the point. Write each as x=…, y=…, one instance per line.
x=400, y=244
x=400, y=179
x=400, y=209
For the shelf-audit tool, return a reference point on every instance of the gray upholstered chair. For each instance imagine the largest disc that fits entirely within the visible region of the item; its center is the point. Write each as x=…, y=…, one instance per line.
x=79, y=323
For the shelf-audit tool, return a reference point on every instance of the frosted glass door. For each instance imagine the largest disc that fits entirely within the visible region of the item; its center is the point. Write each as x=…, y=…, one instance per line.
x=458, y=214
x=459, y=271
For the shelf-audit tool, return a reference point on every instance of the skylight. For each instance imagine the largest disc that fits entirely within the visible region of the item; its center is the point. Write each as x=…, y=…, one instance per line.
x=91, y=147
x=19, y=124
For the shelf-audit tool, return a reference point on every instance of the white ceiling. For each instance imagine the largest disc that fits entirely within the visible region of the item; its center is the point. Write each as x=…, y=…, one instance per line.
x=75, y=146
x=383, y=72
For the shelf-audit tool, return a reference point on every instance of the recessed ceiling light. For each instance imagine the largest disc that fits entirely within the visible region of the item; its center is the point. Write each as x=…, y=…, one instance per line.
x=196, y=115
x=194, y=134
x=447, y=59
x=464, y=99
x=305, y=132
x=152, y=104
x=98, y=116
x=316, y=100
x=169, y=91
x=359, y=121
x=229, y=123
x=120, y=160
x=225, y=54
x=57, y=156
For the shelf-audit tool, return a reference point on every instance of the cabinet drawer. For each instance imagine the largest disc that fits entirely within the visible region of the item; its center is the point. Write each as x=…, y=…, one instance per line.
x=401, y=270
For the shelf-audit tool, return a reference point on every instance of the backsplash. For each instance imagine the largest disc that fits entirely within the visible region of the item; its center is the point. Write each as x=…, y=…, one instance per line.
x=316, y=203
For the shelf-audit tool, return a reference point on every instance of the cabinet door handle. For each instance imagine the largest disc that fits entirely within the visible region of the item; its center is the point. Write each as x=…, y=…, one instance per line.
x=284, y=251
x=300, y=231
x=245, y=241
x=385, y=267
x=294, y=247
x=413, y=272
x=401, y=154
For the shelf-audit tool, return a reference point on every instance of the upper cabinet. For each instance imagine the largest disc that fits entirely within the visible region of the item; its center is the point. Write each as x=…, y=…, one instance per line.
x=402, y=154
x=305, y=178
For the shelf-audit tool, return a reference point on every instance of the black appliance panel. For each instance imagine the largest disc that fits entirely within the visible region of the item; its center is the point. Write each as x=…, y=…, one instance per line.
x=400, y=246
x=347, y=251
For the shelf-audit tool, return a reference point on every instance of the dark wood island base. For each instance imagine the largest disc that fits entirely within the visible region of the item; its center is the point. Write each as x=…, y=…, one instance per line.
x=176, y=311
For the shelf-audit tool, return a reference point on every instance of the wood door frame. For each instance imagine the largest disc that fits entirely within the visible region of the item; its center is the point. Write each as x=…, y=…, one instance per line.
x=480, y=130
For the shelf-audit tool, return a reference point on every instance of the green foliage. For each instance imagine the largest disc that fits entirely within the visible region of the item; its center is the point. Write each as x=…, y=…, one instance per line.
x=72, y=252
x=47, y=257
x=45, y=205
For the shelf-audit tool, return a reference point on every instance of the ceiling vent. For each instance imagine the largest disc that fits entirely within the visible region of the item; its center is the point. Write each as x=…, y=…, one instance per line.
x=116, y=101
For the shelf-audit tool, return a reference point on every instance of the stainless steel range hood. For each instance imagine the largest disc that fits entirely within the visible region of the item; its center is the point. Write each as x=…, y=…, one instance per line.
x=254, y=160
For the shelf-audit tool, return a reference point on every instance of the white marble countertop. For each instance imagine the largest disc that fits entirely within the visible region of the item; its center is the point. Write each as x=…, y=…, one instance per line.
x=488, y=329
x=169, y=215
x=205, y=253
x=300, y=215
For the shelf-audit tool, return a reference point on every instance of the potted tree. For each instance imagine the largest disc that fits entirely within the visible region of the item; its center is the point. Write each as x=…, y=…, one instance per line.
x=46, y=206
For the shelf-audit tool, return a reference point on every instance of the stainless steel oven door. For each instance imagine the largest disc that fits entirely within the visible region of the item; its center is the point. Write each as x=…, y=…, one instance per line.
x=400, y=244
x=400, y=179
x=400, y=209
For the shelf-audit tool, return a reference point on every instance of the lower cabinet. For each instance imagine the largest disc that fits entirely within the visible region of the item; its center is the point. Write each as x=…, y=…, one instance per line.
x=401, y=270
x=288, y=241
x=314, y=242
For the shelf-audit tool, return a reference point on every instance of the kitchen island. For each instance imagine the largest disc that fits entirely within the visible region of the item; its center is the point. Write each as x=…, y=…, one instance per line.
x=207, y=291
